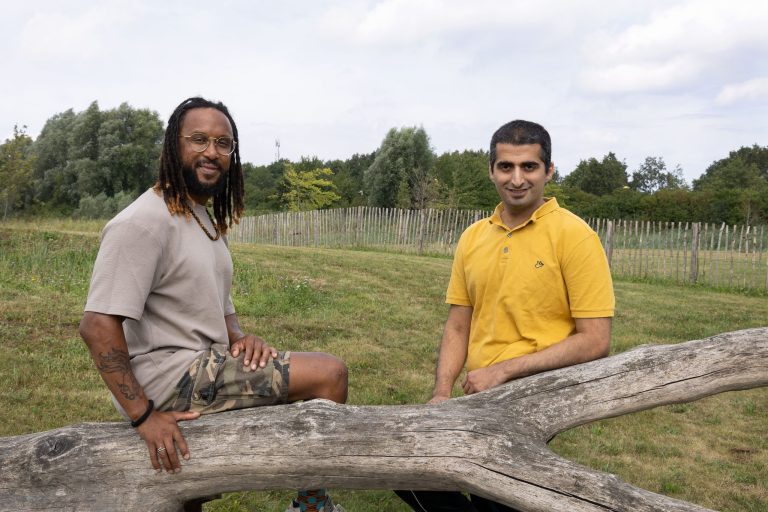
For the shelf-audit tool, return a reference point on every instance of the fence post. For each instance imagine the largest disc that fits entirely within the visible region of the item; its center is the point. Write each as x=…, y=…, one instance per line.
x=421, y=231
x=316, y=226
x=695, y=251
x=609, y=241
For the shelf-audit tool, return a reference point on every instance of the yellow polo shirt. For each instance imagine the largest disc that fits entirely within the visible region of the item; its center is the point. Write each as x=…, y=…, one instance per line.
x=526, y=285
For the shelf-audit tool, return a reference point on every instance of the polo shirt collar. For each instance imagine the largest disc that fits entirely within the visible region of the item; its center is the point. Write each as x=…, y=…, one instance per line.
x=550, y=205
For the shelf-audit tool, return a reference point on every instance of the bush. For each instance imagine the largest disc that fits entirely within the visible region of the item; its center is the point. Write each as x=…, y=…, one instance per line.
x=102, y=206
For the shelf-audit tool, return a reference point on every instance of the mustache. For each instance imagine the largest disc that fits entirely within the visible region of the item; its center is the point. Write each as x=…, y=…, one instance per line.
x=203, y=160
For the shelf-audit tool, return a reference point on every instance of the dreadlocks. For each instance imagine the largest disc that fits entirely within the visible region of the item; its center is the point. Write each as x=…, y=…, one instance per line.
x=228, y=203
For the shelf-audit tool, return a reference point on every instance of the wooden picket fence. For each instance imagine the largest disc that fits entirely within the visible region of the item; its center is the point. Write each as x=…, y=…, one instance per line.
x=429, y=231
x=720, y=255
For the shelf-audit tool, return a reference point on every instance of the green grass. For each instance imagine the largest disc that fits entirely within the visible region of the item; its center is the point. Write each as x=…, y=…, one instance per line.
x=383, y=314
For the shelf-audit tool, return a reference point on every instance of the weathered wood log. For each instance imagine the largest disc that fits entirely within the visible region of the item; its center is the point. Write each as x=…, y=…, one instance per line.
x=492, y=443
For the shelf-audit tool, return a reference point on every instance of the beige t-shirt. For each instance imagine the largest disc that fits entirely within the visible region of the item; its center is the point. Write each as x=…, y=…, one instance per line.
x=170, y=281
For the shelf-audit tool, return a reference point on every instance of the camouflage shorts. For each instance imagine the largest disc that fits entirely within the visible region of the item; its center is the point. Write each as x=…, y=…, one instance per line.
x=218, y=382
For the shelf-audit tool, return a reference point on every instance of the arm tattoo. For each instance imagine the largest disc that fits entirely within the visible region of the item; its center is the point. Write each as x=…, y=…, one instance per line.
x=113, y=362
x=117, y=361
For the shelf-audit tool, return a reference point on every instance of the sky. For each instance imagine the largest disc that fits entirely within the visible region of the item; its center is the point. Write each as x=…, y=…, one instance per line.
x=683, y=80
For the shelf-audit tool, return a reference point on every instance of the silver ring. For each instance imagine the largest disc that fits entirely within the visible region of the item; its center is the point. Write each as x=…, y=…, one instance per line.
x=161, y=449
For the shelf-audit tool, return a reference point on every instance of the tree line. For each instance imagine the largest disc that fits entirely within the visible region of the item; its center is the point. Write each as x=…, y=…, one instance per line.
x=93, y=163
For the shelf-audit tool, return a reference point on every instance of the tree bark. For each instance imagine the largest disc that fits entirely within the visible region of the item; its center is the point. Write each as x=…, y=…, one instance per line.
x=492, y=443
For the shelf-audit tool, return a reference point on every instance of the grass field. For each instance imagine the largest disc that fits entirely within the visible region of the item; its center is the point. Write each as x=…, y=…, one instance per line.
x=383, y=314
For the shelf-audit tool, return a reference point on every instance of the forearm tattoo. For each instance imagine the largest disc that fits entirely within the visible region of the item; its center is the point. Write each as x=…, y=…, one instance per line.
x=117, y=361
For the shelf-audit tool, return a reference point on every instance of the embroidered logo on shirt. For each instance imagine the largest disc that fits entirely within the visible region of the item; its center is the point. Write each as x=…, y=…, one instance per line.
x=505, y=250
x=539, y=264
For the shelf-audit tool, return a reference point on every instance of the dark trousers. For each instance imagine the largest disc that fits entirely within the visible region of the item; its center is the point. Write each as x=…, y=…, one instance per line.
x=448, y=501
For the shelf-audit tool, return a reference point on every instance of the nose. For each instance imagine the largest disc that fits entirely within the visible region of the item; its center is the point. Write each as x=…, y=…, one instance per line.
x=210, y=152
x=516, y=178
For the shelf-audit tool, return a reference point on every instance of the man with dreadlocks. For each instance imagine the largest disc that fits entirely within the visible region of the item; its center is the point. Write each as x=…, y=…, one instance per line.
x=159, y=321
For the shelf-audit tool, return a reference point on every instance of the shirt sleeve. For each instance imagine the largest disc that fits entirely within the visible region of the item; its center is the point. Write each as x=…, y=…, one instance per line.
x=457, y=293
x=124, y=272
x=229, y=306
x=588, y=280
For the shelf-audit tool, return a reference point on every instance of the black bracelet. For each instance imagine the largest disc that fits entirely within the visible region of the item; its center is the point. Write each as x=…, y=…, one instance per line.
x=143, y=418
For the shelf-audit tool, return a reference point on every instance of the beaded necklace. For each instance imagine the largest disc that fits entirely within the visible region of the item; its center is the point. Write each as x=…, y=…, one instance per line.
x=208, y=233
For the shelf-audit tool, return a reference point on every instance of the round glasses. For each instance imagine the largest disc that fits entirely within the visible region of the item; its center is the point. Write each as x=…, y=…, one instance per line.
x=199, y=142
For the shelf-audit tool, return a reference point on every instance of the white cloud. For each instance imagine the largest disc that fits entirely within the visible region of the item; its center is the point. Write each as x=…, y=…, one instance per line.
x=754, y=89
x=54, y=34
x=675, y=47
x=403, y=22
x=642, y=76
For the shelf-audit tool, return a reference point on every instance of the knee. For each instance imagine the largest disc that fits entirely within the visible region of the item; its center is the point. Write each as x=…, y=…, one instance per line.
x=317, y=375
x=338, y=380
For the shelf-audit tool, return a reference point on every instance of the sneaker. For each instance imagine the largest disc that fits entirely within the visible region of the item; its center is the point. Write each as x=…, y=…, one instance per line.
x=328, y=507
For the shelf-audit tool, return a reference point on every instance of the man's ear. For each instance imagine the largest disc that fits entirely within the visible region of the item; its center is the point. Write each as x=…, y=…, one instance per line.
x=551, y=172
x=490, y=172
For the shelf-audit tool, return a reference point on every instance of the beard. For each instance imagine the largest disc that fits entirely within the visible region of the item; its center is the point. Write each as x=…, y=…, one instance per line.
x=202, y=189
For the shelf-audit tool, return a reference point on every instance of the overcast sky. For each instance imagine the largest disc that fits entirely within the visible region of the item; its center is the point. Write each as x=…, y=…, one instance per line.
x=685, y=80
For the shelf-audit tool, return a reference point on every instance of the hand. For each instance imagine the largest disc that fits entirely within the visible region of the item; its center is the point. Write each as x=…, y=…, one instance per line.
x=257, y=352
x=437, y=399
x=483, y=378
x=161, y=432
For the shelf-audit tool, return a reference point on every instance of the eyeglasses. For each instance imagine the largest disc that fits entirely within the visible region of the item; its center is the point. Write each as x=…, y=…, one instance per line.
x=224, y=146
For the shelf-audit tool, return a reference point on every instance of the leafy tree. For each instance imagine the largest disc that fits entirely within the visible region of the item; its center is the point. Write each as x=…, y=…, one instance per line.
x=730, y=174
x=16, y=164
x=348, y=176
x=669, y=205
x=718, y=206
x=598, y=177
x=260, y=185
x=726, y=172
x=578, y=201
x=652, y=175
x=622, y=203
x=84, y=134
x=51, y=150
x=554, y=189
x=404, y=154
x=129, y=149
x=307, y=163
x=463, y=176
x=94, y=152
x=348, y=186
x=403, y=197
x=307, y=190
x=738, y=189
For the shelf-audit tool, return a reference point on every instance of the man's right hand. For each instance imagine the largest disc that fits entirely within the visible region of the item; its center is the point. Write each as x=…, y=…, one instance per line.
x=162, y=434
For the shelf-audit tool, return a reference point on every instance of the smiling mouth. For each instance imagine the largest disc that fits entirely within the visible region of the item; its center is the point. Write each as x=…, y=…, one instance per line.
x=208, y=169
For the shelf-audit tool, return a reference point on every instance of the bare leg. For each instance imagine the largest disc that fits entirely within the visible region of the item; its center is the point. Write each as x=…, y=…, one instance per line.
x=317, y=375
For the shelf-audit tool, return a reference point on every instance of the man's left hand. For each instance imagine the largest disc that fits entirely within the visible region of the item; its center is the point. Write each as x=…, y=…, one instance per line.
x=257, y=352
x=483, y=378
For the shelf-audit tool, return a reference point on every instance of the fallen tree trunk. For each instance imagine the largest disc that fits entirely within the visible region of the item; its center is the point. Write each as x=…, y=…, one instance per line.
x=492, y=443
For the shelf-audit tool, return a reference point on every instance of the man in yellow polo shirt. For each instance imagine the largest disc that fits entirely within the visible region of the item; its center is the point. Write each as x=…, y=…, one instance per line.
x=530, y=290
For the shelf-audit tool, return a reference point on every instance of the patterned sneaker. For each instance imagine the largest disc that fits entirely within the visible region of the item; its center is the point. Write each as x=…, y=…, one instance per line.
x=328, y=507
